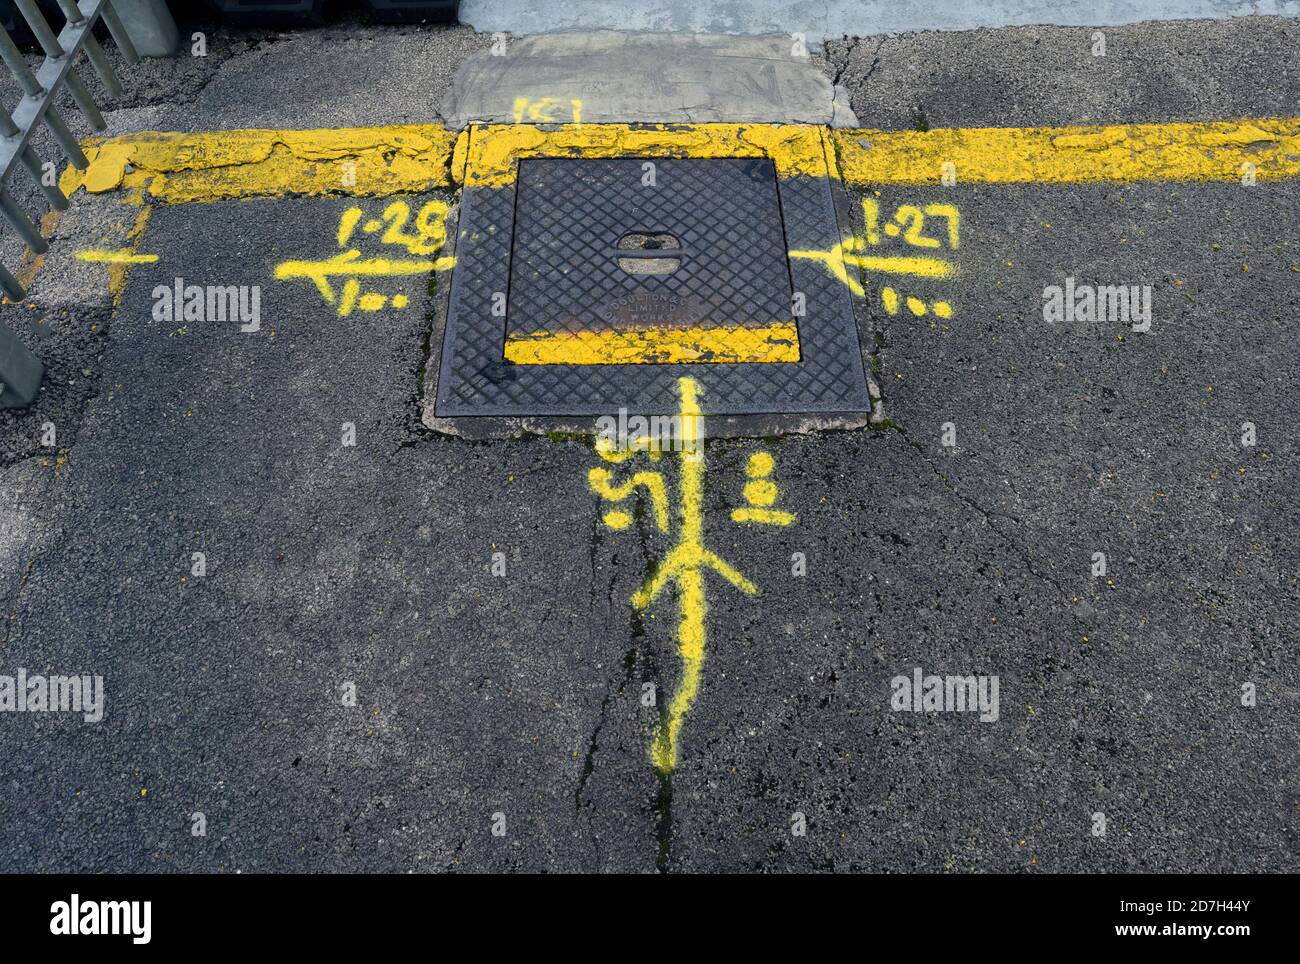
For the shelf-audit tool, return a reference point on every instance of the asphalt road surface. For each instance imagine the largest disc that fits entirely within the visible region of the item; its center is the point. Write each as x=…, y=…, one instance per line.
x=360, y=682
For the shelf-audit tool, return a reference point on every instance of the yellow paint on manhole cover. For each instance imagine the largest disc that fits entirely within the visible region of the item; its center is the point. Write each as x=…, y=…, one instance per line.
x=657, y=346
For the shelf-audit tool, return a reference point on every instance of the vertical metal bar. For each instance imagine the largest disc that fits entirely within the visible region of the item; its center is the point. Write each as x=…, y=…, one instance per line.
x=120, y=36
x=151, y=24
x=72, y=12
x=51, y=191
x=20, y=370
x=22, y=223
x=40, y=28
x=33, y=164
x=79, y=93
x=17, y=64
x=65, y=139
x=15, y=292
x=82, y=96
x=45, y=37
x=102, y=67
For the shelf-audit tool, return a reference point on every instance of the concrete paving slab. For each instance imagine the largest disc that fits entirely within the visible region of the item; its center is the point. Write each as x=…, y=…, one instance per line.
x=615, y=77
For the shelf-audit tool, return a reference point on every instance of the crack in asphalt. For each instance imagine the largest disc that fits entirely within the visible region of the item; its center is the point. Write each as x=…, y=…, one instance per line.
x=988, y=517
x=661, y=806
x=875, y=60
x=848, y=57
x=588, y=762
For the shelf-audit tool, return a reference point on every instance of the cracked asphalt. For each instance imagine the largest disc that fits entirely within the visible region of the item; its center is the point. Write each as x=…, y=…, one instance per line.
x=370, y=566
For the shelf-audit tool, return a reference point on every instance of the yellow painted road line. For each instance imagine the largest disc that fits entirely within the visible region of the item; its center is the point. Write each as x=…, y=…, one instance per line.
x=116, y=257
x=375, y=161
x=350, y=267
x=920, y=267
x=652, y=482
x=685, y=565
x=777, y=342
x=834, y=261
x=1125, y=153
x=371, y=267
x=218, y=165
x=493, y=150
x=836, y=258
x=776, y=517
x=119, y=261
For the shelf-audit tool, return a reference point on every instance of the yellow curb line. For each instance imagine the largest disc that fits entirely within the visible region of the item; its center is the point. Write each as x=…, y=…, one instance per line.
x=1266, y=149
x=220, y=165
x=377, y=161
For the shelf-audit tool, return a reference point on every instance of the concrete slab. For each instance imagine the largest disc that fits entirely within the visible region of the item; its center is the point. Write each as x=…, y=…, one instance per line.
x=615, y=77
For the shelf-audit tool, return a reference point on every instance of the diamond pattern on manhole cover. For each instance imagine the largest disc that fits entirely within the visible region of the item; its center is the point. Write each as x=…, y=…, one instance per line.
x=647, y=262
x=590, y=285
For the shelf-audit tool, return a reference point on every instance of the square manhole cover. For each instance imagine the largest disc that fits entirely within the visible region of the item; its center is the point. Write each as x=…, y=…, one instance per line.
x=583, y=286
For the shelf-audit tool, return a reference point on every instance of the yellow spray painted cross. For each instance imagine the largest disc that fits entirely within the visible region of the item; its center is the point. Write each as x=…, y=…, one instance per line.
x=689, y=559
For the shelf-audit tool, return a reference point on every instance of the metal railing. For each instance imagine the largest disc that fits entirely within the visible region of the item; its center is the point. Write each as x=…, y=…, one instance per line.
x=39, y=90
x=20, y=370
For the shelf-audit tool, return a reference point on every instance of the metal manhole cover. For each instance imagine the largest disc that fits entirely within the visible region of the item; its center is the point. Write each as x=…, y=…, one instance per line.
x=580, y=289
x=640, y=261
